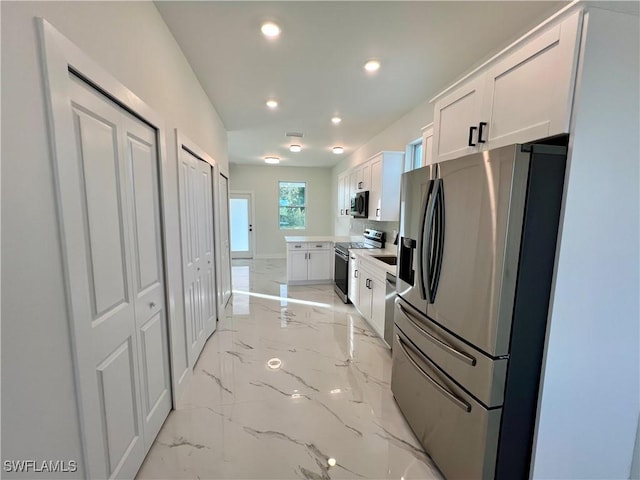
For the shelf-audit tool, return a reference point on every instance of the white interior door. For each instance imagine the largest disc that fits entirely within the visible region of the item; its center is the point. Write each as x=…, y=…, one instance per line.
x=225, y=247
x=196, y=225
x=148, y=282
x=122, y=345
x=241, y=220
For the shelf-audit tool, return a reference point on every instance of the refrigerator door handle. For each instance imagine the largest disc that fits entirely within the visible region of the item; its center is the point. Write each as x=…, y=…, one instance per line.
x=422, y=286
x=439, y=240
x=428, y=258
x=444, y=391
x=445, y=346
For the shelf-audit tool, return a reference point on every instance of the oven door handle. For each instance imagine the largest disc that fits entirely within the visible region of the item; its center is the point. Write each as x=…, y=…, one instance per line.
x=342, y=256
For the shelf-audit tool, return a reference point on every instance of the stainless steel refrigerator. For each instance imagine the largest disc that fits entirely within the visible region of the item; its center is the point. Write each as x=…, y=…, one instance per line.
x=475, y=264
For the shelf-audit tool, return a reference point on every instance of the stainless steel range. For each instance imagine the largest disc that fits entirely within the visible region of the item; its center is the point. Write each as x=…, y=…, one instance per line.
x=371, y=239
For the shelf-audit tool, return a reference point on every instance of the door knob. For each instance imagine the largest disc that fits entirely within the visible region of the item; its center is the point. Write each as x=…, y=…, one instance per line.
x=152, y=304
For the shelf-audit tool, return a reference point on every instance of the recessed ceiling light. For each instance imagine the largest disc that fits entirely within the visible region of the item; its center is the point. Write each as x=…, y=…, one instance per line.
x=272, y=103
x=372, y=66
x=295, y=148
x=336, y=120
x=337, y=150
x=270, y=30
x=271, y=160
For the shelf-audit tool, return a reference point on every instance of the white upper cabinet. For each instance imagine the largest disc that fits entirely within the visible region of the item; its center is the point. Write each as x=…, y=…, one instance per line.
x=427, y=145
x=343, y=195
x=528, y=94
x=456, y=118
x=384, y=194
x=360, y=178
x=521, y=96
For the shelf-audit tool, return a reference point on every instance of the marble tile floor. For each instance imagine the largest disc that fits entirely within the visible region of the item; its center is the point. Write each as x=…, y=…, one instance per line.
x=291, y=378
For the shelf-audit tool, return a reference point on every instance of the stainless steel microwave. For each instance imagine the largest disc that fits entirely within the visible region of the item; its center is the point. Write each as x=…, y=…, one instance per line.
x=360, y=204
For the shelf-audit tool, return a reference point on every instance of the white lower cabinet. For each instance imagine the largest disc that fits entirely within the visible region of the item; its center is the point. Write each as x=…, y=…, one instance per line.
x=352, y=288
x=319, y=265
x=310, y=262
x=371, y=295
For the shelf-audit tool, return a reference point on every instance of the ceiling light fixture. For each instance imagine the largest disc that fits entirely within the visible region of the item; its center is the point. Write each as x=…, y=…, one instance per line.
x=271, y=160
x=337, y=150
x=270, y=30
x=336, y=120
x=272, y=103
x=295, y=148
x=372, y=66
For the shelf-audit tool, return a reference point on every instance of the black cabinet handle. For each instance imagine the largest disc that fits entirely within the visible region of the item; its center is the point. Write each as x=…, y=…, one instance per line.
x=355, y=273
x=480, y=128
x=377, y=212
x=359, y=184
x=471, y=130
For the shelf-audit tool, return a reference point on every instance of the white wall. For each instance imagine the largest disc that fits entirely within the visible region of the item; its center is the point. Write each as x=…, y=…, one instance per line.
x=590, y=399
x=395, y=138
x=263, y=182
x=130, y=40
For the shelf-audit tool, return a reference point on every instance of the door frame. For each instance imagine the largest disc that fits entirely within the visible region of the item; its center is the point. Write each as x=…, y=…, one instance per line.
x=59, y=56
x=184, y=143
x=252, y=212
x=222, y=301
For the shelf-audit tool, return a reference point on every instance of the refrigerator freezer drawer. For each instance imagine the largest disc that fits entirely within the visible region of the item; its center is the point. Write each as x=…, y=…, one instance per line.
x=483, y=376
x=459, y=434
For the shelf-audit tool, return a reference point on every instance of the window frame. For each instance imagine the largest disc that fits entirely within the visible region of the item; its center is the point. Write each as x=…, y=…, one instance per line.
x=410, y=155
x=304, y=206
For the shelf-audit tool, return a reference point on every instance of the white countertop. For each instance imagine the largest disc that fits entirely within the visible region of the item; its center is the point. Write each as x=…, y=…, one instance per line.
x=367, y=254
x=321, y=238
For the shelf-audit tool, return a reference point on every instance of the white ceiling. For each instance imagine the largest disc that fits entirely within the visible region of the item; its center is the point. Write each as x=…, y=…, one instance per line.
x=315, y=68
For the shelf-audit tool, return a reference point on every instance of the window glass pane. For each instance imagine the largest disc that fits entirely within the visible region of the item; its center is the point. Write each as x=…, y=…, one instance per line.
x=292, y=203
x=417, y=155
x=292, y=194
x=292, y=217
x=239, y=220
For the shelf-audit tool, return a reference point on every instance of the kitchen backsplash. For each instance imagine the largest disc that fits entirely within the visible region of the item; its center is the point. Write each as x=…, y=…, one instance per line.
x=355, y=227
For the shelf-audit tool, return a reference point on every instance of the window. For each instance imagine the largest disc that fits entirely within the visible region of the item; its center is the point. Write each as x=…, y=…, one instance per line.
x=416, y=154
x=293, y=205
x=413, y=156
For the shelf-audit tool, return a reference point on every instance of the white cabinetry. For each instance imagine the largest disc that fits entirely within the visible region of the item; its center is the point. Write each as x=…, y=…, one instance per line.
x=455, y=119
x=427, y=145
x=384, y=194
x=371, y=295
x=344, y=195
x=522, y=96
x=352, y=288
x=309, y=262
x=380, y=175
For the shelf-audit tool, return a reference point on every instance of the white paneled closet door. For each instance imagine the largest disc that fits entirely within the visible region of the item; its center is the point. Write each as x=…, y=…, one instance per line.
x=128, y=397
x=196, y=213
x=148, y=271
